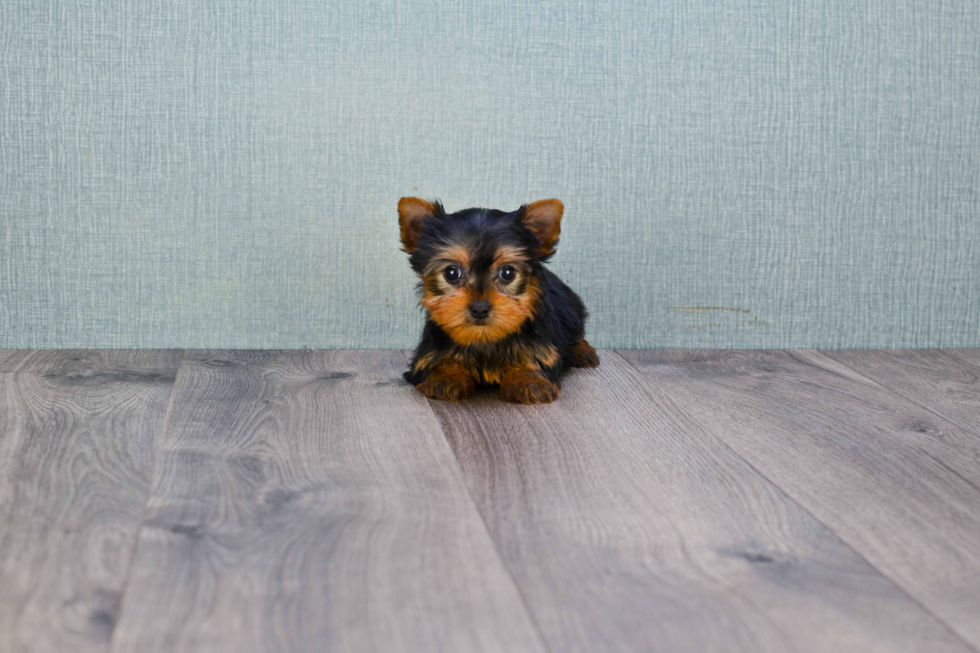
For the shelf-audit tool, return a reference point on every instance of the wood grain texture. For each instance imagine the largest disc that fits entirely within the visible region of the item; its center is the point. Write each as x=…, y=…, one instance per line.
x=78, y=431
x=11, y=359
x=629, y=527
x=932, y=378
x=307, y=501
x=899, y=485
x=971, y=356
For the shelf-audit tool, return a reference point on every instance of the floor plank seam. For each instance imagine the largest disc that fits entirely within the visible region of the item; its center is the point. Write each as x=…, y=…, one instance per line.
x=146, y=504
x=802, y=507
x=462, y=479
x=959, y=359
x=889, y=389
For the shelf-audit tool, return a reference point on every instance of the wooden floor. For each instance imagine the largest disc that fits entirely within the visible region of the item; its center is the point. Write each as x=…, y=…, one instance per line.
x=168, y=501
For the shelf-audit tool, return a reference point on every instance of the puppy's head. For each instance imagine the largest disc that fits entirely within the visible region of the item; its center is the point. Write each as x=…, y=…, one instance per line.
x=479, y=266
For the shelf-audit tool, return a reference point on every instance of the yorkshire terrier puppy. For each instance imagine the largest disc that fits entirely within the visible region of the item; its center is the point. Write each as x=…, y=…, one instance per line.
x=496, y=315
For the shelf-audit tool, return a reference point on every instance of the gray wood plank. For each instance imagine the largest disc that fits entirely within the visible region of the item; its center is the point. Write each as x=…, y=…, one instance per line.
x=896, y=483
x=11, y=359
x=971, y=356
x=78, y=432
x=308, y=501
x=932, y=378
x=629, y=527
x=35, y=360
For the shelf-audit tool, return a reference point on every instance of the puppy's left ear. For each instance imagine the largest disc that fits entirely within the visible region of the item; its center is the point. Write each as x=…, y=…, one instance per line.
x=543, y=219
x=412, y=212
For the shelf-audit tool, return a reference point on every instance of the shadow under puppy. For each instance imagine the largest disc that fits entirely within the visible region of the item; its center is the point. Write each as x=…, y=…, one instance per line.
x=496, y=315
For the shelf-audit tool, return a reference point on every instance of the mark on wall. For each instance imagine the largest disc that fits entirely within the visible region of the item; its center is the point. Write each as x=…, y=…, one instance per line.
x=698, y=309
x=711, y=317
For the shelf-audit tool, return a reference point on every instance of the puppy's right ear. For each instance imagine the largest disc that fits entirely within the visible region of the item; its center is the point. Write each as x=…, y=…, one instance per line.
x=412, y=212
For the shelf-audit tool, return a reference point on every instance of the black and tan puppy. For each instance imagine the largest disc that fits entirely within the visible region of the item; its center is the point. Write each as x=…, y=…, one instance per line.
x=496, y=316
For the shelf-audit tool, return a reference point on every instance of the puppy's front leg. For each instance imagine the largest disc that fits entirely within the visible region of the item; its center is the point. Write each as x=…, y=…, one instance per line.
x=527, y=386
x=448, y=380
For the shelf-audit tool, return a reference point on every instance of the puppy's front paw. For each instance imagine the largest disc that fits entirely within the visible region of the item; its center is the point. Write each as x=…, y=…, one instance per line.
x=528, y=387
x=447, y=386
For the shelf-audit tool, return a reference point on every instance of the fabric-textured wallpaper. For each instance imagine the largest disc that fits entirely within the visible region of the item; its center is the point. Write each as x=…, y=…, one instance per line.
x=742, y=173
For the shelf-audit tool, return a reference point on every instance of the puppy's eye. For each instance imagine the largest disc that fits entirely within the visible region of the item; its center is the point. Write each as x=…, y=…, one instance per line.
x=507, y=274
x=452, y=274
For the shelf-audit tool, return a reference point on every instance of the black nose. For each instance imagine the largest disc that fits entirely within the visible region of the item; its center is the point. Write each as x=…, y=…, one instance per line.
x=480, y=309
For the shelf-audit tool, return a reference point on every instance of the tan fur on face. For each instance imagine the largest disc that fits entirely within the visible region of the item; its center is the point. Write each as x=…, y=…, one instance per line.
x=448, y=305
x=452, y=255
x=432, y=278
x=508, y=254
x=507, y=312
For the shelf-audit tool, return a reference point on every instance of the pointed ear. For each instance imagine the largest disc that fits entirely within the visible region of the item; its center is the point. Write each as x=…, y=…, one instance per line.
x=543, y=219
x=412, y=212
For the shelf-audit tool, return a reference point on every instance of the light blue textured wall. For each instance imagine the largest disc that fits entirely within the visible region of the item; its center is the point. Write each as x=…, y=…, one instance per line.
x=226, y=173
